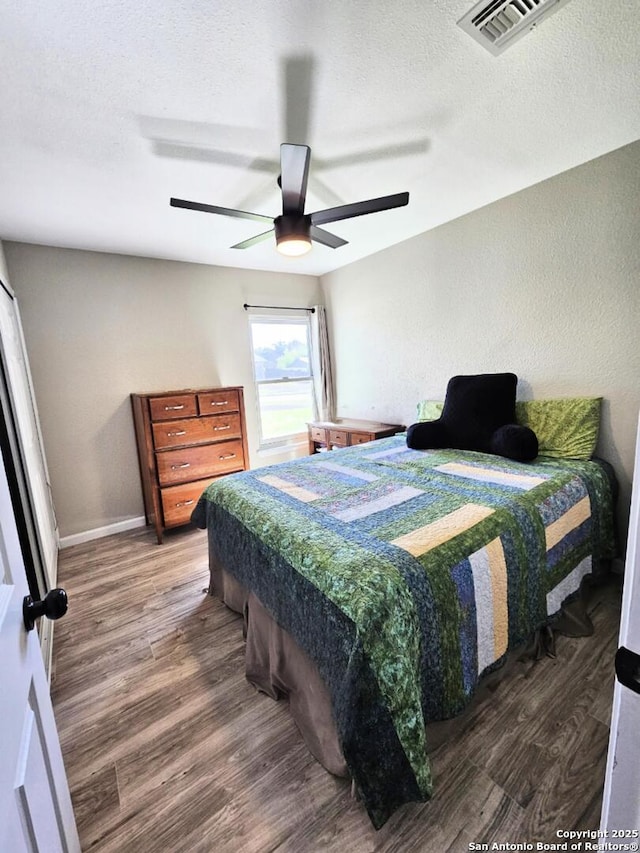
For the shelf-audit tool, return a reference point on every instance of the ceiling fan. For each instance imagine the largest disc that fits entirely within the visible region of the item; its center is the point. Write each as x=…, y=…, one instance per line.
x=294, y=229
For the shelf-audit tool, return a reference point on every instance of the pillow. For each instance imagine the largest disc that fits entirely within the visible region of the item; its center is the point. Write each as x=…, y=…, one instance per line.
x=429, y=410
x=478, y=414
x=475, y=406
x=566, y=428
x=515, y=442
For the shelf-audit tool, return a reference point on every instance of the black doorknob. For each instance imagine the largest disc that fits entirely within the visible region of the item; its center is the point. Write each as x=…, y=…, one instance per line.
x=53, y=606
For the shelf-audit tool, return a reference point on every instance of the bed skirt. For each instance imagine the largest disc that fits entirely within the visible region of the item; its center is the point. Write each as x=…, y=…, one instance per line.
x=277, y=666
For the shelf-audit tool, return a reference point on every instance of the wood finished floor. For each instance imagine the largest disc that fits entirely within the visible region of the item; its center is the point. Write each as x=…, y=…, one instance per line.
x=169, y=749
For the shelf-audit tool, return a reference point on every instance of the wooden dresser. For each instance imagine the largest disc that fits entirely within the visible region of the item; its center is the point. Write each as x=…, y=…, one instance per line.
x=185, y=440
x=330, y=435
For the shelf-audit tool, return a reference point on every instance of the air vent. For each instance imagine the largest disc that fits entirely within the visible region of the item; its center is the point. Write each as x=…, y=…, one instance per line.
x=496, y=24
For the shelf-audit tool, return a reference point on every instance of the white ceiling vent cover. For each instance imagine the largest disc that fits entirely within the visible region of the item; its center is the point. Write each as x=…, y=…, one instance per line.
x=496, y=24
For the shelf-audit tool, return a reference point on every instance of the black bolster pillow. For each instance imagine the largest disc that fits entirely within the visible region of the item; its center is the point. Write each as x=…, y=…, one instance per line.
x=515, y=442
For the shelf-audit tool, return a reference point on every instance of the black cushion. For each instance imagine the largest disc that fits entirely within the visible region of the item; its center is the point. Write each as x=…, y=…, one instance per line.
x=475, y=408
x=427, y=434
x=515, y=442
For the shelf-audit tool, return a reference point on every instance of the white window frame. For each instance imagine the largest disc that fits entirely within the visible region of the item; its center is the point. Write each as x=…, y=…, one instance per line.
x=282, y=317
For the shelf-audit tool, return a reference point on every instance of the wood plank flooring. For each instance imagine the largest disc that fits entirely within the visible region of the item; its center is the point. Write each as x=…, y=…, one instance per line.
x=169, y=749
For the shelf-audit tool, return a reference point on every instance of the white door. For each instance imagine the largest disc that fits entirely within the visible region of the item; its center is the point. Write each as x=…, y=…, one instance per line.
x=621, y=800
x=18, y=376
x=35, y=805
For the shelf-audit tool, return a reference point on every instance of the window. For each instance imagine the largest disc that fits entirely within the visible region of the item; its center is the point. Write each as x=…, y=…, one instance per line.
x=281, y=350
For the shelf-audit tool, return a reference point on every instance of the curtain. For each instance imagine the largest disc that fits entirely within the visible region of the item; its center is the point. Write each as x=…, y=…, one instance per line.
x=325, y=395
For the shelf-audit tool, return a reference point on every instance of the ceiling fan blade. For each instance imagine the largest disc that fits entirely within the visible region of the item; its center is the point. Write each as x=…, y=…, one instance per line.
x=327, y=239
x=359, y=208
x=294, y=172
x=298, y=85
x=223, y=211
x=252, y=241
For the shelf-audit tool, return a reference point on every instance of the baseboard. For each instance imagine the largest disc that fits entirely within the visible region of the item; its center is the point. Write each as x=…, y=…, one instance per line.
x=99, y=532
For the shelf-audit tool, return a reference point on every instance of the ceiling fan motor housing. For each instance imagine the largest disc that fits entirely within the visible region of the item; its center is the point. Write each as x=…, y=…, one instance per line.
x=292, y=225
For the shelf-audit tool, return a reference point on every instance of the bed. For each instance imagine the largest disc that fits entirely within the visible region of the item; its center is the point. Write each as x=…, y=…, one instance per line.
x=395, y=579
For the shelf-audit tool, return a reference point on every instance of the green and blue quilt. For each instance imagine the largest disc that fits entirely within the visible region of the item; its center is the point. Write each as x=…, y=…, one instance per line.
x=405, y=575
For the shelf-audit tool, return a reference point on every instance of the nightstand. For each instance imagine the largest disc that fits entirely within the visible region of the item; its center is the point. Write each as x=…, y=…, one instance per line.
x=330, y=435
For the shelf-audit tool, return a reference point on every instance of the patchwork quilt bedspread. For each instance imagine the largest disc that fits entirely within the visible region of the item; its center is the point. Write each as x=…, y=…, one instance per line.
x=405, y=575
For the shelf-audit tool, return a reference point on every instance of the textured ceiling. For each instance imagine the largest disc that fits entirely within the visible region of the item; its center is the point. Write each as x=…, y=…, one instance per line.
x=110, y=108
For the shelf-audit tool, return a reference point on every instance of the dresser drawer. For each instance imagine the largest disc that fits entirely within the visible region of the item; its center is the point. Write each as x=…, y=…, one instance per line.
x=196, y=430
x=214, y=402
x=194, y=463
x=338, y=438
x=360, y=437
x=318, y=434
x=178, y=502
x=167, y=408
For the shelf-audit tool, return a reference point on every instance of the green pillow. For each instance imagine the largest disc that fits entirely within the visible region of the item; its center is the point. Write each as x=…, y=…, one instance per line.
x=566, y=428
x=429, y=410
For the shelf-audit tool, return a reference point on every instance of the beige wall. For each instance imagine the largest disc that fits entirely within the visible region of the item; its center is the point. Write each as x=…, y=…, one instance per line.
x=99, y=327
x=545, y=283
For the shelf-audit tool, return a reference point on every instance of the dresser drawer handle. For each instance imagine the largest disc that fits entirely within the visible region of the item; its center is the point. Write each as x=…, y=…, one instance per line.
x=174, y=408
x=181, y=465
x=185, y=503
x=228, y=456
x=220, y=403
x=178, y=432
x=217, y=429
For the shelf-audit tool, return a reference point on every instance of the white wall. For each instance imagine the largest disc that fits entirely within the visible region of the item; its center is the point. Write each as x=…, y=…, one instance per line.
x=99, y=327
x=4, y=271
x=545, y=283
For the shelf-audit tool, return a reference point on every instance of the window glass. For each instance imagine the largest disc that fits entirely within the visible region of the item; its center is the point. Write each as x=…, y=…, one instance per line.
x=282, y=370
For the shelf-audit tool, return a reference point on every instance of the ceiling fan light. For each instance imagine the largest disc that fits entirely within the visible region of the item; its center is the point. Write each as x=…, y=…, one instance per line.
x=293, y=246
x=293, y=236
